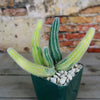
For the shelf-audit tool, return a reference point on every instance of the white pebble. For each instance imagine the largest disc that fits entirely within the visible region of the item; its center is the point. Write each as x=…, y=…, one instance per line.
x=65, y=83
x=62, y=76
x=69, y=71
x=79, y=66
x=72, y=67
x=77, y=70
x=48, y=78
x=58, y=79
x=66, y=73
x=73, y=70
x=76, y=65
x=55, y=76
x=69, y=76
x=67, y=80
x=61, y=72
x=58, y=74
x=62, y=80
x=53, y=80
x=72, y=74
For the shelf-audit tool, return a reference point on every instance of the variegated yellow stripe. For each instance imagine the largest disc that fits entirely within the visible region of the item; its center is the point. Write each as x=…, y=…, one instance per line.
x=36, y=49
x=30, y=67
x=77, y=53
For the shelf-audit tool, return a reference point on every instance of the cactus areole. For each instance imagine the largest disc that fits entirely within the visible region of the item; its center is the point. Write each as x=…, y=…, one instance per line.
x=49, y=61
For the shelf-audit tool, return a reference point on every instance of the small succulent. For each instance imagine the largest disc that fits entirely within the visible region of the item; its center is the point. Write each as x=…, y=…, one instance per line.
x=49, y=61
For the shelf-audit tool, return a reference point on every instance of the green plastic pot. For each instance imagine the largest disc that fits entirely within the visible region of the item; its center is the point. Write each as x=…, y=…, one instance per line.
x=46, y=90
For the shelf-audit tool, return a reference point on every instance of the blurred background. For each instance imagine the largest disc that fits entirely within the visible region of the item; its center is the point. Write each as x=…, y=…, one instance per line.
x=18, y=19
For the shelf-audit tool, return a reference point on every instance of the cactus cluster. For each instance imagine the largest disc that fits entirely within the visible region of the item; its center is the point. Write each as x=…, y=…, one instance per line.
x=49, y=61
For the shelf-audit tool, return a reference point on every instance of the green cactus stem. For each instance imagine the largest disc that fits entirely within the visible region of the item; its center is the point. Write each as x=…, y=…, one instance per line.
x=54, y=43
x=30, y=67
x=77, y=53
x=36, y=50
x=47, y=58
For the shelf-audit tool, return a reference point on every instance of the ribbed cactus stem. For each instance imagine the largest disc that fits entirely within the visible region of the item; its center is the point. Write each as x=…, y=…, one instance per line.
x=47, y=58
x=77, y=53
x=30, y=67
x=36, y=50
x=54, y=43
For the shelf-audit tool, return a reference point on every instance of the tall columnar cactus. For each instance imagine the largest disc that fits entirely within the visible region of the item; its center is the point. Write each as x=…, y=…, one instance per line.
x=54, y=43
x=47, y=58
x=45, y=61
x=30, y=67
x=36, y=50
x=78, y=52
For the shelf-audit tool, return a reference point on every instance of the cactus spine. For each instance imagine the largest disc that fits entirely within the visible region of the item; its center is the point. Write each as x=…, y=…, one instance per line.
x=36, y=50
x=77, y=53
x=47, y=58
x=30, y=67
x=54, y=43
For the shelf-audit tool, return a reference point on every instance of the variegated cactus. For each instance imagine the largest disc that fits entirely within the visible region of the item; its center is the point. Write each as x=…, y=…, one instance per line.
x=50, y=60
x=36, y=50
x=32, y=68
x=77, y=53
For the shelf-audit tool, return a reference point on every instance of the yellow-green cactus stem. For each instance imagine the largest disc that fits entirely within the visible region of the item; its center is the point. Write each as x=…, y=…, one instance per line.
x=30, y=67
x=77, y=53
x=36, y=50
x=47, y=58
x=54, y=42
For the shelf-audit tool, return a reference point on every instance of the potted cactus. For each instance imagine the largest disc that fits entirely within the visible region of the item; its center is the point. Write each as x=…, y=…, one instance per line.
x=51, y=75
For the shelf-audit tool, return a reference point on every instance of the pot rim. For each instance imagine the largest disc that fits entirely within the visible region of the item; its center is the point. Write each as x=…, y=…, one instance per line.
x=61, y=86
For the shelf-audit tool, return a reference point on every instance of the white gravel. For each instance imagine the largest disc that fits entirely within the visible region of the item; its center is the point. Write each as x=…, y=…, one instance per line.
x=63, y=77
